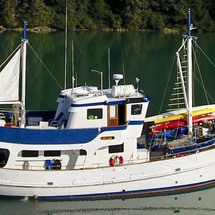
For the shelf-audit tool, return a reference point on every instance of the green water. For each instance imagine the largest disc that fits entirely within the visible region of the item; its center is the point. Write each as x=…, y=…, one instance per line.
x=196, y=203
x=148, y=56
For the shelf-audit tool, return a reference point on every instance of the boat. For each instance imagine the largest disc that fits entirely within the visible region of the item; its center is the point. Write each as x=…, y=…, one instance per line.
x=187, y=128
x=91, y=146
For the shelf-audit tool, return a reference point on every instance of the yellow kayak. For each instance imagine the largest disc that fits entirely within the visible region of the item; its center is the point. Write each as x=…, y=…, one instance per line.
x=184, y=115
x=169, y=118
x=201, y=112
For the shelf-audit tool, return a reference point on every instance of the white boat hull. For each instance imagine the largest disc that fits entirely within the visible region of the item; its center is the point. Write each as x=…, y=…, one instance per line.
x=160, y=177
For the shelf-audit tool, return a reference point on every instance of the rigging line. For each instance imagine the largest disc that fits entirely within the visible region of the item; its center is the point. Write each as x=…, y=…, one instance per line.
x=168, y=80
x=46, y=67
x=210, y=97
x=199, y=70
x=207, y=94
x=201, y=82
x=205, y=55
x=10, y=55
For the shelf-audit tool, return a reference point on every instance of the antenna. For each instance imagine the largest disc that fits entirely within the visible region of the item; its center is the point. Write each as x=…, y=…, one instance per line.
x=123, y=66
x=137, y=83
x=73, y=68
x=25, y=31
x=109, y=68
x=189, y=22
x=65, y=60
x=101, y=73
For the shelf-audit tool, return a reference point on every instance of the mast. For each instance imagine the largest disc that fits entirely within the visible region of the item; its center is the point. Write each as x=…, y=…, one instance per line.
x=189, y=59
x=65, y=60
x=73, y=68
x=23, y=64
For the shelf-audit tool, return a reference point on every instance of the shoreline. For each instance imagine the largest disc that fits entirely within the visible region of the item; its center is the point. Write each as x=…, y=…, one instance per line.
x=45, y=29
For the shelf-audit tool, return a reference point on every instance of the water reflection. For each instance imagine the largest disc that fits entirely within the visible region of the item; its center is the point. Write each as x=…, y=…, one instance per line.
x=148, y=56
x=200, y=202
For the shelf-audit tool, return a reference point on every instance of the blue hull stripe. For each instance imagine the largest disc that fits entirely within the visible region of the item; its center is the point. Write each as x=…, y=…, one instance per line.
x=136, y=122
x=54, y=136
x=122, y=102
x=129, y=194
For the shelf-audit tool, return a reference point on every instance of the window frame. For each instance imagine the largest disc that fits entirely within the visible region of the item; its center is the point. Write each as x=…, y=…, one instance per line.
x=94, y=113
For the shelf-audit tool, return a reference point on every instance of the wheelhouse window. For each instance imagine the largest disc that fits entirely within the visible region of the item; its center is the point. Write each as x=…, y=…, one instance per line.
x=4, y=155
x=116, y=148
x=94, y=114
x=113, y=111
x=52, y=153
x=28, y=153
x=82, y=152
x=136, y=109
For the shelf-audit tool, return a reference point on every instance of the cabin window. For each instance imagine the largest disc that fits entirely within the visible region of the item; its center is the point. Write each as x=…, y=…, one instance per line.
x=4, y=155
x=94, y=114
x=52, y=153
x=116, y=148
x=136, y=109
x=82, y=152
x=27, y=153
x=113, y=111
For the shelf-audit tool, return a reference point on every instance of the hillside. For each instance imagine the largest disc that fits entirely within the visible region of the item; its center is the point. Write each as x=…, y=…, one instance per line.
x=133, y=15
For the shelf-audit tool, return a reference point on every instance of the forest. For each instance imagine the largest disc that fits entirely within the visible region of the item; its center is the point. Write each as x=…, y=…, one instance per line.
x=105, y=15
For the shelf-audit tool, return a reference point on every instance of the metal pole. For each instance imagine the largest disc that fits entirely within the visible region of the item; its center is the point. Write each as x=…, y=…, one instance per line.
x=101, y=73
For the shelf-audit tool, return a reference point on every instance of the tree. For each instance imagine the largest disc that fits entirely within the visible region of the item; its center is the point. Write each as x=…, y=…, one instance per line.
x=58, y=12
x=39, y=14
x=102, y=14
x=9, y=14
x=132, y=13
x=173, y=12
x=79, y=18
x=211, y=8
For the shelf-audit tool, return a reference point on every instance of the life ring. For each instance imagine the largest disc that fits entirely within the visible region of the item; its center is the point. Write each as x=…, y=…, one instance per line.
x=8, y=124
x=112, y=161
x=181, y=154
x=121, y=160
x=116, y=160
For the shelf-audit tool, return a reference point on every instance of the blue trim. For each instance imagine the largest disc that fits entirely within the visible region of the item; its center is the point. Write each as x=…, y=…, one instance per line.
x=56, y=136
x=25, y=31
x=133, y=193
x=114, y=128
x=118, y=102
x=189, y=22
x=148, y=99
x=47, y=136
x=136, y=122
x=61, y=96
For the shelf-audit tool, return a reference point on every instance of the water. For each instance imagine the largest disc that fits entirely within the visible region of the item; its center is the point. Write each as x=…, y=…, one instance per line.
x=196, y=203
x=149, y=57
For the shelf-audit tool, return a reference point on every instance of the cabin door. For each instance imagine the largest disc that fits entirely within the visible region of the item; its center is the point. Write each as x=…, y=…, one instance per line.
x=113, y=115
